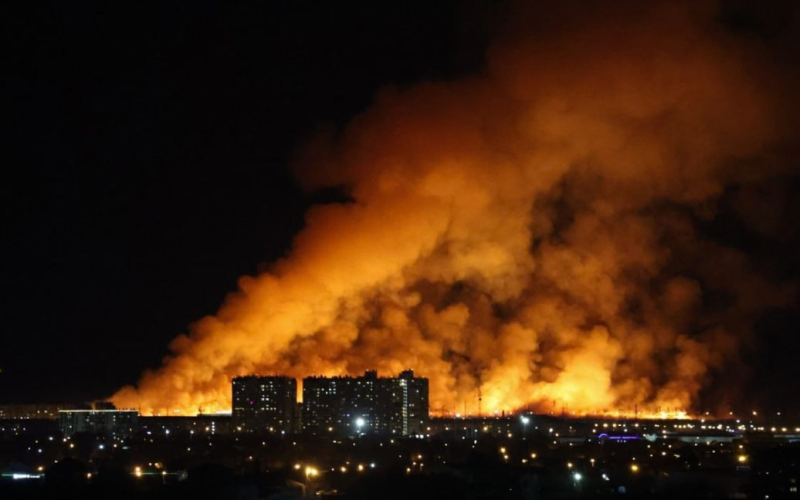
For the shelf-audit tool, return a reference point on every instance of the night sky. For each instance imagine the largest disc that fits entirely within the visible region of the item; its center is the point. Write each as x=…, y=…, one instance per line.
x=148, y=166
x=153, y=165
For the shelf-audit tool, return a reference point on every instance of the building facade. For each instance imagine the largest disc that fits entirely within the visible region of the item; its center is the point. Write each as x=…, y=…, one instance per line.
x=32, y=411
x=415, y=403
x=202, y=424
x=117, y=423
x=367, y=404
x=264, y=404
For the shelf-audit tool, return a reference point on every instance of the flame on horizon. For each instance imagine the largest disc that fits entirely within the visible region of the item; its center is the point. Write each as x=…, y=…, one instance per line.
x=530, y=234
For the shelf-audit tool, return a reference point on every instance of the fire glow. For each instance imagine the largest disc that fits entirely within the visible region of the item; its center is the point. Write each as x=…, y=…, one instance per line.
x=525, y=238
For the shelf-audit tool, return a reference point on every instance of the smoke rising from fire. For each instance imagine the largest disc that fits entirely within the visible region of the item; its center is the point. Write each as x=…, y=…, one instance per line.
x=532, y=234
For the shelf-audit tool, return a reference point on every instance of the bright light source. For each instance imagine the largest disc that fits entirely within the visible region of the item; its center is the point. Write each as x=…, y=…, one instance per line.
x=634, y=468
x=360, y=468
x=360, y=422
x=578, y=476
x=525, y=420
x=17, y=476
x=742, y=459
x=569, y=465
x=137, y=471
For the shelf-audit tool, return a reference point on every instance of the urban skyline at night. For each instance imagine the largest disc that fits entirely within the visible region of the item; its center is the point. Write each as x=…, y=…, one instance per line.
x=462, y=249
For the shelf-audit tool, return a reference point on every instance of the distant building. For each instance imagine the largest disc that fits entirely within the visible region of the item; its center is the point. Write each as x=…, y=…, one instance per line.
x=47, y=411
x=202, y=424
x=264, y=404
x=32, y=411
x=118, y=423
x=367, y=404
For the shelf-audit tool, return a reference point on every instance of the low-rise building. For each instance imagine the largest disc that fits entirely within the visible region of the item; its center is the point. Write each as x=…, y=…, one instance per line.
x=116, y=423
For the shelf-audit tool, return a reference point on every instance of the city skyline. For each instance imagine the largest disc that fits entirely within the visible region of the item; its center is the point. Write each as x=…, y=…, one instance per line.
x=461, y=249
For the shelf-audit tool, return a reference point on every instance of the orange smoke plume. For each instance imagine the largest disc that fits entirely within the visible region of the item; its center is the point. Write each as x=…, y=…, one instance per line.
x=529, y=234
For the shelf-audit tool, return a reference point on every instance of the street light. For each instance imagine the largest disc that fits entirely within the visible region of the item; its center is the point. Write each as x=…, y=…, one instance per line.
x=525, y=421
x=360, y=423
x=311, y=472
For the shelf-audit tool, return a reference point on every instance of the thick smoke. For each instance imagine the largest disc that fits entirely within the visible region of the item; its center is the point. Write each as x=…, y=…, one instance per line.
x=532, y=234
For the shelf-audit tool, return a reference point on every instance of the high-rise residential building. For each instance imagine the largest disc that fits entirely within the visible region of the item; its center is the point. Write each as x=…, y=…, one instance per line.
x=367, y=404
x=415, y=403
x=264, y=404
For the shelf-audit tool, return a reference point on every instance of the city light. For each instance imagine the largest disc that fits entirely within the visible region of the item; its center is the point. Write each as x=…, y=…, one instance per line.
x=19, y=476
x=742, y=459
x=578, y=476
x=360, y=422
x=634, y=468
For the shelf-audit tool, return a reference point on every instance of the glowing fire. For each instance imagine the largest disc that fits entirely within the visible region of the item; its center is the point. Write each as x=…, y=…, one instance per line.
x=525, y=238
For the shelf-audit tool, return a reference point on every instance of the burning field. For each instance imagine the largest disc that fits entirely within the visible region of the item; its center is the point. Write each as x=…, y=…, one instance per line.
x=535, y=234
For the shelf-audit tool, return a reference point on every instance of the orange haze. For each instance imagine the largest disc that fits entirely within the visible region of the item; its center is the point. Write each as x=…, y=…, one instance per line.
x=529, y=233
